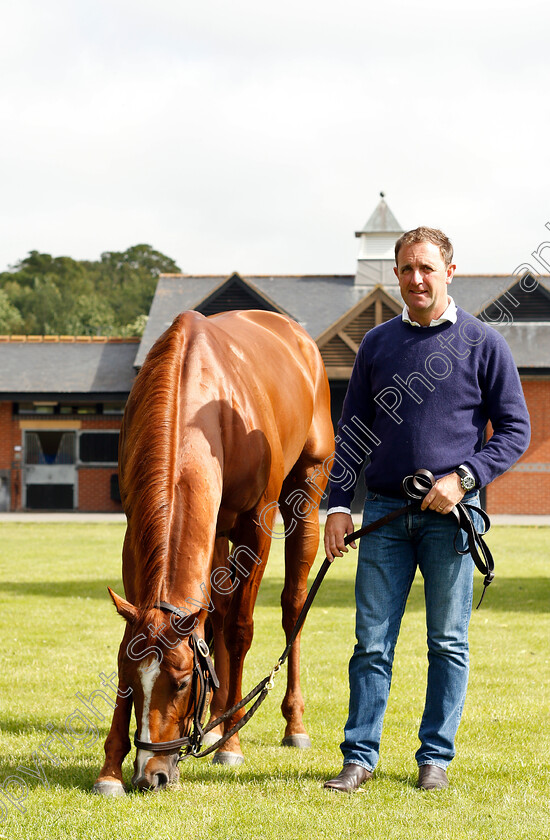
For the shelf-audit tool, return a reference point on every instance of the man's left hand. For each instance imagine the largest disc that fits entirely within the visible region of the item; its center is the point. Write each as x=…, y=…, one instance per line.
x=444, y=495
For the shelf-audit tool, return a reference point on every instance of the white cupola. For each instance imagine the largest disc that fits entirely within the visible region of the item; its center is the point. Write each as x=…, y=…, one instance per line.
x=377, y=239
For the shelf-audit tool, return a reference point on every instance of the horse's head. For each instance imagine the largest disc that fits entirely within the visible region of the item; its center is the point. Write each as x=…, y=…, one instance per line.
x=168, y=668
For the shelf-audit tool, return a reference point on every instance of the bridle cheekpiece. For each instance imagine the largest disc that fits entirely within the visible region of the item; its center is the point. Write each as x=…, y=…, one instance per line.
x=204, y=679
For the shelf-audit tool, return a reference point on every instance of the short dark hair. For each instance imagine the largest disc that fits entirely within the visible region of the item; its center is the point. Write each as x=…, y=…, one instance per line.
x=426, y=234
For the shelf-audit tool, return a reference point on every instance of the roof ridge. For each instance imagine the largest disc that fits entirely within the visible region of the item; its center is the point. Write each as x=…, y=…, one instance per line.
x=249, y=275
x=517, y=276
x=68, y=339
x=321, y=276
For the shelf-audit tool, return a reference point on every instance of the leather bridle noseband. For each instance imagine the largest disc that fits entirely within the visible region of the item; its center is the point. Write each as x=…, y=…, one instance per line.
x=415, y=488
x=204, y=679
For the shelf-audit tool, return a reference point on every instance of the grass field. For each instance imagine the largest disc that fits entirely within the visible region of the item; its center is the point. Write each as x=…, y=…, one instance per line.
x=60, y=631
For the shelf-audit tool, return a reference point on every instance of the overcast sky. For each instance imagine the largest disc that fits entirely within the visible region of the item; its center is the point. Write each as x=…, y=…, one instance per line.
x=255, y=137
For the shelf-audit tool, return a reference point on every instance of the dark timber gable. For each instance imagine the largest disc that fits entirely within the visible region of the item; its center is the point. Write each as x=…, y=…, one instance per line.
x=340, y=343
x=234, y=293
x=526, y=300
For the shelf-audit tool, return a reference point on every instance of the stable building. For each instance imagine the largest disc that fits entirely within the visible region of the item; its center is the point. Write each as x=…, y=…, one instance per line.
x=61, y=406
x=336, y=310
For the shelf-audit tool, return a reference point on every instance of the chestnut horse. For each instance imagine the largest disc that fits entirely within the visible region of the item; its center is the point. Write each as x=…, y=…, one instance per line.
x=228, y=416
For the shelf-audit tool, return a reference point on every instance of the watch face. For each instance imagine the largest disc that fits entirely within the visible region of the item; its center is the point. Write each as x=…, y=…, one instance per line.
x=467, y=482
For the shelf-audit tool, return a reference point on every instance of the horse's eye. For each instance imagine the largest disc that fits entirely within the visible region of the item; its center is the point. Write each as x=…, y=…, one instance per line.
x=183, y=684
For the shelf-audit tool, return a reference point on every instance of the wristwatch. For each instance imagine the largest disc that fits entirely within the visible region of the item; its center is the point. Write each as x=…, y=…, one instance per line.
x=467, y=481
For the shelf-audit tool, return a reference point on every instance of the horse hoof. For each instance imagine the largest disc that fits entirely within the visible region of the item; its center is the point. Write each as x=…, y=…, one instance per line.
x=228, y=758
x=209, y=739
x=109, y=789
x=300, y=740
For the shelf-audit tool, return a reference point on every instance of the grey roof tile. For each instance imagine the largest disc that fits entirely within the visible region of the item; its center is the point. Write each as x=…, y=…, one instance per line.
x=529, y=343
x=67, y=368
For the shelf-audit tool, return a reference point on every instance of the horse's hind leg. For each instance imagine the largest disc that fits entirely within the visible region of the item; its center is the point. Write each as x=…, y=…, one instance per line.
x=299, y=504
x=250, y=550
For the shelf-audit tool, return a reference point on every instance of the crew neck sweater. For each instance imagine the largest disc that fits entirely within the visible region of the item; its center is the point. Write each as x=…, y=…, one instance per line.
x=422, y=398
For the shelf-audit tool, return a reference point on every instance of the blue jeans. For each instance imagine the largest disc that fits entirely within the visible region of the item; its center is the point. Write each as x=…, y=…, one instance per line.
x=387, y=563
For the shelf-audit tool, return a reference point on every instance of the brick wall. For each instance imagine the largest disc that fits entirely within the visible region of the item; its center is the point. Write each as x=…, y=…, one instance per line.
x=94, y=483
x=526, y=487
x=6, y=435
x=94, y=490
x=10, y=436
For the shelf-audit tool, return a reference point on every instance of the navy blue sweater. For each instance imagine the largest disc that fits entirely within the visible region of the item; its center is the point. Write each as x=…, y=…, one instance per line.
x=421, y=398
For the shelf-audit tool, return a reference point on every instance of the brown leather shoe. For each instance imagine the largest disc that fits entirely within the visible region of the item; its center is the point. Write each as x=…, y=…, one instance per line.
x=431, y=777
x=349, y=778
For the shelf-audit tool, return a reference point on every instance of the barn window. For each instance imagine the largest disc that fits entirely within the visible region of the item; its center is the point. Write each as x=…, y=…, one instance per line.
x=52, y=448
x=98, y=447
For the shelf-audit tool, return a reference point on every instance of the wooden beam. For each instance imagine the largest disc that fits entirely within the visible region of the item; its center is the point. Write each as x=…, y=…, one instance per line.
x=349, y=341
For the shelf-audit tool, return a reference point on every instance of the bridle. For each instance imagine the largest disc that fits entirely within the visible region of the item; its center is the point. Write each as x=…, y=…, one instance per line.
x=204, y=679
x=415, y=487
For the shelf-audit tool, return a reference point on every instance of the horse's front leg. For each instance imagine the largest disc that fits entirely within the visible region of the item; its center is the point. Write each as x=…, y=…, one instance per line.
x=117, y=747
x=117, y=743
x=221, y=656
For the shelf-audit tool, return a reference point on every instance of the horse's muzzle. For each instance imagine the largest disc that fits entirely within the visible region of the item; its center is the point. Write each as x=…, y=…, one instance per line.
x=158, y=772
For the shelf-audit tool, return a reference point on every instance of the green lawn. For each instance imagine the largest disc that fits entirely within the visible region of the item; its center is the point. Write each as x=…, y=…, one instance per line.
x=60, y=631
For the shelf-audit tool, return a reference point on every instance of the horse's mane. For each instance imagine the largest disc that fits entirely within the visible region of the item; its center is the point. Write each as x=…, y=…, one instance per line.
x=148, y=458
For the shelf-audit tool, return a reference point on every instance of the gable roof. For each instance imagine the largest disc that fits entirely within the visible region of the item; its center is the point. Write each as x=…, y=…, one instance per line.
x=314, y=301
x=235, y=293
x=317, y=302
x=526, y=300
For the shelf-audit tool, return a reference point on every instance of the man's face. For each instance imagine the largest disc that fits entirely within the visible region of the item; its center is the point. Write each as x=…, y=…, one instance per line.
x=423, y=280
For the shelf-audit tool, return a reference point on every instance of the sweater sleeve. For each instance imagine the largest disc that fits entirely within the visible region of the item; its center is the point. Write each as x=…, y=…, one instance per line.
x=354, y=440
x=506, y=409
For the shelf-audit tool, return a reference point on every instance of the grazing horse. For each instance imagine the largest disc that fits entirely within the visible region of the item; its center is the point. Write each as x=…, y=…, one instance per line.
x=228, y=416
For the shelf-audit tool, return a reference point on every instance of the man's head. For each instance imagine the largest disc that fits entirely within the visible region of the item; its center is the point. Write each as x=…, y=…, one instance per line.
x=424, y=270
x=426, y=234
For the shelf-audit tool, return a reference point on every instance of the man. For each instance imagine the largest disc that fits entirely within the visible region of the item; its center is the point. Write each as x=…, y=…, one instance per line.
x=422, y=390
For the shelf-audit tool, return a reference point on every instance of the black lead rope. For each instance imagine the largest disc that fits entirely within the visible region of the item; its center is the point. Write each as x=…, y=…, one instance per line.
x=415, y=488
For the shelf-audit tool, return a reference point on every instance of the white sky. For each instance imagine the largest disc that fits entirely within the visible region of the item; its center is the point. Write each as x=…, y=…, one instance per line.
x=255, y=137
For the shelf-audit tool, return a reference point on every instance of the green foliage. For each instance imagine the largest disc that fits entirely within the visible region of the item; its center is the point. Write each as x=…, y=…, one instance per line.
x=10, y=317
x=45, y=295
x=59, y=631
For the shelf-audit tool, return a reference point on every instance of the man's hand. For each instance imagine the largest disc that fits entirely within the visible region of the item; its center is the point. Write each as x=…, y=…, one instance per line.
x=444, y=495
x=337, y=527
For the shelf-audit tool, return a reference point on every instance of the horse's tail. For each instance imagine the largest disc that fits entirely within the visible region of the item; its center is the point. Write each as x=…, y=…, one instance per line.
x=147, y=457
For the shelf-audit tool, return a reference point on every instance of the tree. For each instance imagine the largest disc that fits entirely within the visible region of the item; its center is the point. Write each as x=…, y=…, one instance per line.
x=10, y=317
x=111, y=296
x=139, y=257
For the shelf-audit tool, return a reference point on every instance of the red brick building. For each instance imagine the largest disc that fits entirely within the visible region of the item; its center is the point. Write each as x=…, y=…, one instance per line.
x=61, y=400
x=61, y=406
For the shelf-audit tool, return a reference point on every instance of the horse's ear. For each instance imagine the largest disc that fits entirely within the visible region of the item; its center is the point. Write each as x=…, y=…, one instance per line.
x=123, y=607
